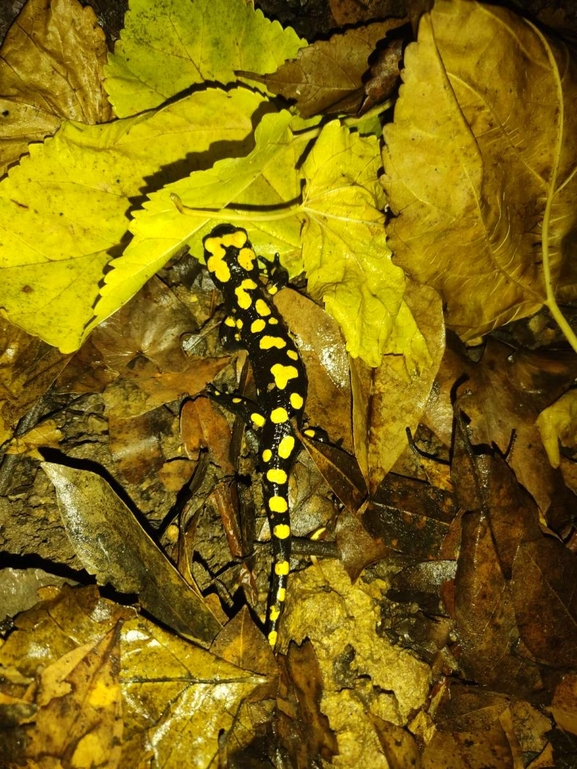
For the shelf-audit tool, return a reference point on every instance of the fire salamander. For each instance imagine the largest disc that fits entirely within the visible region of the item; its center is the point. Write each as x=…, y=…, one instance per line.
x=253, y=323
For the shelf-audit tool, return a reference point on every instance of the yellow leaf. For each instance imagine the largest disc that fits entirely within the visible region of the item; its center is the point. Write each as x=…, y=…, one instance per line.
x=63, y=211
x=177, y=214
x=480, y=164
x=558, y=423
x=51, y=69
x=345, y=254
x=168, y=45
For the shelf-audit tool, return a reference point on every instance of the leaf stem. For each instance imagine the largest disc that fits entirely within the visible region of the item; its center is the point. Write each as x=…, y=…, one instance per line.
x=550, y=300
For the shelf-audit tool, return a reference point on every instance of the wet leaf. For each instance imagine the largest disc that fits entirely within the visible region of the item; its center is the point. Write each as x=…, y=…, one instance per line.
x=322, y=349
x=112, y=545
x=51, y=69
x=80, y=708
x=362, y=672
x=172, y=692
x=543, y=582
x=303, y=728
x=479, y=163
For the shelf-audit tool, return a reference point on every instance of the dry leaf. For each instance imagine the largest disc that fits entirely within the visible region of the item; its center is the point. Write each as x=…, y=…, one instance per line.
x=480, y=165
x=51, y=69
x=326, y=77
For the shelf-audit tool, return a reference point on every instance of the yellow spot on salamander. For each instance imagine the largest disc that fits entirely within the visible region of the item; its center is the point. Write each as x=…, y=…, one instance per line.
x=262, y=308
x=237, y=400
x=278, y=416
x=282, y=531
x=282, y=374
x=281, y=568
x=274, y=613
x=228, y=321
x=273, y=321
x=268, y=342
x=281, y=594
x=309, y=432
x=286, y=446
x=257, y=325
x=272, y=289
x=276, y=476
x=257, y=419
x=266, y=455
x=243, y=298
x=219, y=268
x=272, y=636
x=246, y=257
x=297, y=401
x=292, y=354
x=278, y=505
x=239, y=323
x=238, y=238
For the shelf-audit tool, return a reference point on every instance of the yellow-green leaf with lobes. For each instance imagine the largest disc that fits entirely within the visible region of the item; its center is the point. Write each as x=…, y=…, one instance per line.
x=167, y=46
x=177, y=214
x=345, y=253
x=64, y=210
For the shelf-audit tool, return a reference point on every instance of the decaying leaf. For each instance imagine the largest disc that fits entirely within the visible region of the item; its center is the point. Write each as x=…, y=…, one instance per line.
x=326, y=77
x=99, y=525
x=480, y=165
x=51, y=69
x=306, y=734
x=152, y=695
x=362, y=672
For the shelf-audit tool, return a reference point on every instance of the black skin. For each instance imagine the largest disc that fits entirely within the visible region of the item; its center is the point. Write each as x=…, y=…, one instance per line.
x=252, y=322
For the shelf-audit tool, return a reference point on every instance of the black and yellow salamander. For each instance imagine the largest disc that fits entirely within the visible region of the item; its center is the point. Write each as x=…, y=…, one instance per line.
x=253, y=323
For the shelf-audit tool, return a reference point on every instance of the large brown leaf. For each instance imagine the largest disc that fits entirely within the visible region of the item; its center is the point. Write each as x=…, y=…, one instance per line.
x=480, y=165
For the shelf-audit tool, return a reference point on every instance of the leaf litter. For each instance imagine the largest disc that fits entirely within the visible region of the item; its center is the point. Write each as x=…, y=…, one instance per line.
x=455, y=643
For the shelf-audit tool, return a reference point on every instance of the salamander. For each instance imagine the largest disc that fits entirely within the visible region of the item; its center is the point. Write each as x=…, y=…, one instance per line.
x=252, y=322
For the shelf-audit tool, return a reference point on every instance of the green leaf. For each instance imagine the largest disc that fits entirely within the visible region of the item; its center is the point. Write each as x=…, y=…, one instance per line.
x=266, y=177
x=64, y=210
x=167, y=46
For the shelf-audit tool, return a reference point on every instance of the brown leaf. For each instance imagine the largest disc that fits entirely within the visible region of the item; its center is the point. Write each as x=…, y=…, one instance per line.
x=485, y=615
x=28, y=367
x=242, y=644
x=543, y=583
x=51, y=69
x=306, y=733
x=411, y=517
x=112, y=545
x=384, y=74
x=357, y=548
x=324, y=354
x=354, y=11
x=502, y=394
x=469, y=750
x=341, y=472
x=326, y=77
